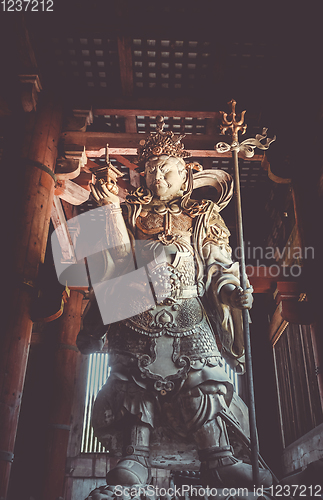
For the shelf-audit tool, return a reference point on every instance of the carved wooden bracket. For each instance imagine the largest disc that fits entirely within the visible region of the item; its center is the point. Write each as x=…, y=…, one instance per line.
x=67, y=169
x=79, y=121
x=76, y=152
x=275, y=178
x=30, y=86
x=84, y=180
x=294, y=308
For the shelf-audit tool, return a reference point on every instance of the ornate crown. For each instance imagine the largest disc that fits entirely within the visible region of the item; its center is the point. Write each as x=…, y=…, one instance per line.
x=161, y=143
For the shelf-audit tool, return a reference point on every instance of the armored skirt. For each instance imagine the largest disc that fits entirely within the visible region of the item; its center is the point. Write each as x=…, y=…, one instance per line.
x=166, y=372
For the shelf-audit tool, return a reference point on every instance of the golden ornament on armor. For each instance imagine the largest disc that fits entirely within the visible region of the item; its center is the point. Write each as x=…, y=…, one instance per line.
x=157, y=150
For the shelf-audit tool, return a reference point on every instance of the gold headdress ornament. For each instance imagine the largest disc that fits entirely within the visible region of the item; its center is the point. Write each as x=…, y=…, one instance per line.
x=161, y=143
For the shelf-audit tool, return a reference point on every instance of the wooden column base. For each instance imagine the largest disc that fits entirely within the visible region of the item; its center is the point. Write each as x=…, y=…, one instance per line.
x=17, y=347
x=62, y=398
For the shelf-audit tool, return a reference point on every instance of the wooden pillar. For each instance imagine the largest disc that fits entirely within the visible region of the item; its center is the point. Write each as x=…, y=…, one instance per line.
x=37, y=162
x=62, y=398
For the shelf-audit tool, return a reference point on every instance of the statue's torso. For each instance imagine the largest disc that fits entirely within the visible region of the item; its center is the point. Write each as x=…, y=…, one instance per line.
x=169, y=339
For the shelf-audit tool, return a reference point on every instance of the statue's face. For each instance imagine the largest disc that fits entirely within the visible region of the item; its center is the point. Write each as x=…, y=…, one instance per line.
x=165, y=176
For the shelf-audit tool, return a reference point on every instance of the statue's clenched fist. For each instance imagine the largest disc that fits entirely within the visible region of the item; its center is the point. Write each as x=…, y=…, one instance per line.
x=236, y=297
x=105, y=192
x=240, y=299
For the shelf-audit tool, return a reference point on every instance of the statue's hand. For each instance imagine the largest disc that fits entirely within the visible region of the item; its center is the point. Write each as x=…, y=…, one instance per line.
x=105, y=193
x=240, y=299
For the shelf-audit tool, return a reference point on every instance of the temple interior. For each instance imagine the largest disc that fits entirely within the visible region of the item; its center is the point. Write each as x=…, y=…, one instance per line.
x=83, y=82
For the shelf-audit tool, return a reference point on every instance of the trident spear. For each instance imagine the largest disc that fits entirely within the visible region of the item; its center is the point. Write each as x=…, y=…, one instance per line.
x=229, y=123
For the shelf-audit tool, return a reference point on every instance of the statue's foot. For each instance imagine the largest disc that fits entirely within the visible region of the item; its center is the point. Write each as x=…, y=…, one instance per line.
x=102, y=493
x=130, y=470
x=118, y=492
x=238, y=475
x=219, y=468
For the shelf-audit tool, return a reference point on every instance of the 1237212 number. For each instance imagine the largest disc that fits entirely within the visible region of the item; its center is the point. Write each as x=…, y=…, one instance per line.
x=292, y=490
x=27, y=5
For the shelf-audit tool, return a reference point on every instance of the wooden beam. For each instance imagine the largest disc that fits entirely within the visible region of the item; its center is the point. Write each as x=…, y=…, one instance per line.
x=294, y=308
x=277, y=325
x=199, y=153
x=71, y=192
x=99, y=153
x=196, y=107
x=131, y=124
x=149, y=104
x=69, y=210
x=126, y=144
x=121, y=159
x=95, y=153
x=63, y=235
x=154, y=112
x=125, y=65
x=134, y=175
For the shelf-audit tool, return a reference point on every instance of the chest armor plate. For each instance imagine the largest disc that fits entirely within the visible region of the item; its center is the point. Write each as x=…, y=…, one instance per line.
x=152, y=223
x=176, y=280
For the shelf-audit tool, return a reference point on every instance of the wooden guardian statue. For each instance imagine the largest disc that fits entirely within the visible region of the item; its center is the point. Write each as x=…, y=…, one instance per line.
x=168, y=394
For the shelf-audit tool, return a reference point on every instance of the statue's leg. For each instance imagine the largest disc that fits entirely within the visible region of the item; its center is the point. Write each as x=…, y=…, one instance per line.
x=201, y=409
x=122, y=419
x=133, y=468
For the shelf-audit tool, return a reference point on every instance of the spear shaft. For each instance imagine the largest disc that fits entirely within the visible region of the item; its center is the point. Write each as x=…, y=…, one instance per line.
x=246, y=329
x=229, y=123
